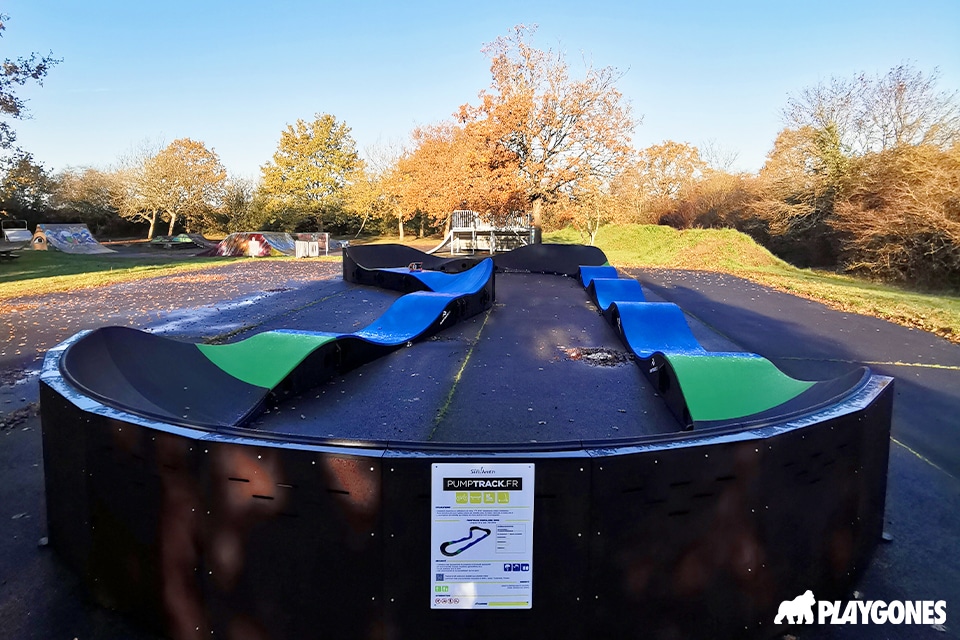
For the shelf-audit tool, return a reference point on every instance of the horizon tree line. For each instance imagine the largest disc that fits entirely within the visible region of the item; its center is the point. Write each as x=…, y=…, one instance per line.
x=864, y=176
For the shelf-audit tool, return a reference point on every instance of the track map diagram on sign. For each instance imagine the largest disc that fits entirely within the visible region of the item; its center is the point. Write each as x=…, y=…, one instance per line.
x=482, y=536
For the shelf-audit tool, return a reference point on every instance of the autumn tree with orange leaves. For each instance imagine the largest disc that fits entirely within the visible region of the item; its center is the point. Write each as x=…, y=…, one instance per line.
x=455, y=166
x=558, y=131
x=537, y=136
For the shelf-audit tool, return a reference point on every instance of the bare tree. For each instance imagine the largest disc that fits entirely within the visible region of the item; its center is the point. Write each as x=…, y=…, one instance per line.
x=901, y=220
x=870, y=114
x=184, y=181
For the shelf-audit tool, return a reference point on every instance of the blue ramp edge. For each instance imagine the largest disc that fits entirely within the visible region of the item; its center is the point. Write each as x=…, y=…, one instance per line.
x=606, y=291
x=649, y=327
x=439, y=282
x=406, y=319
x=589, y=272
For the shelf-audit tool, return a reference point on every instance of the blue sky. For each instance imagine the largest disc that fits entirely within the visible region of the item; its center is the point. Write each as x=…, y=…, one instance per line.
x=233, y=74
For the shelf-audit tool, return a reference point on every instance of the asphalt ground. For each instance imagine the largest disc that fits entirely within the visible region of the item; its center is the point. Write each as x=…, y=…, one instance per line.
x=39, y=599
x=807, y=339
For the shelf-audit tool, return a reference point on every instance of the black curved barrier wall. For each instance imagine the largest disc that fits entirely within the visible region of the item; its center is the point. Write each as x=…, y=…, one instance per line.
x=558, y=259
x=361, y=265
x=695, y=537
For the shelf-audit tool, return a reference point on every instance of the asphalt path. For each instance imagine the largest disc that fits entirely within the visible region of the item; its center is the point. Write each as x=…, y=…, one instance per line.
x=39, y=599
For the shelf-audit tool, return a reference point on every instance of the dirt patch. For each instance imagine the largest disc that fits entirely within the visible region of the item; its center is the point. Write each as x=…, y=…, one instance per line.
x=597, y=356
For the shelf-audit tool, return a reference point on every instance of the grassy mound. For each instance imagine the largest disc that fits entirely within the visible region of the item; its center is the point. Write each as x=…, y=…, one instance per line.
x=647, y=245
x=729, y=251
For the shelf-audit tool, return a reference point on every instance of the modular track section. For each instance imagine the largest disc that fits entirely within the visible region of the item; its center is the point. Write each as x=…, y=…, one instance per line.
x=223, y=386
x=703, y=388
x=696, y=525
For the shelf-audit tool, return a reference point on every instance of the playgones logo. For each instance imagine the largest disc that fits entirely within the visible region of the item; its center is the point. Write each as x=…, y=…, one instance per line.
x=800, y=610
x=797, y=611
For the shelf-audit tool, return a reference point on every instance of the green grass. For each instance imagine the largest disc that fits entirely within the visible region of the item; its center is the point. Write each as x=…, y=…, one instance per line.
x=39, y=272
x=728, y=251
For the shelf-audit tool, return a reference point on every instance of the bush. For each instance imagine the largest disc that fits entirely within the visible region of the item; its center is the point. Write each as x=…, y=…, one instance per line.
x=901, y=220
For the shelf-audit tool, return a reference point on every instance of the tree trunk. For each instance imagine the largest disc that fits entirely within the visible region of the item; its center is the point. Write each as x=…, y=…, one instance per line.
x=173, y=221
x=400, y=218
x=153, y=225
x=537, y=221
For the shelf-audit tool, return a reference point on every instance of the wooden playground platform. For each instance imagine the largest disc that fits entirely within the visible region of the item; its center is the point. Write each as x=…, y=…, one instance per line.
x=471, y=232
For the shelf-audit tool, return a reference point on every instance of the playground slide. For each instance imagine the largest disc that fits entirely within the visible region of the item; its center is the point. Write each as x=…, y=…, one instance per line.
x=68, y=238
x=445, y=242
x=211, y=386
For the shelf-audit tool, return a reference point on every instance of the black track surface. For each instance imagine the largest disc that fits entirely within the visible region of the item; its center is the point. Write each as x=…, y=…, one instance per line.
x=542, y=366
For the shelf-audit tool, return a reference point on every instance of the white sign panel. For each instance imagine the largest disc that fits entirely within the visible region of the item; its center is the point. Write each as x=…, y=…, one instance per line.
x=482, y=536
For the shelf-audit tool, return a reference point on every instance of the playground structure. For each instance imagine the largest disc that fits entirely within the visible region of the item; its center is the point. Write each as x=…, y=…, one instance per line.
x=728, y=487
x=68, y=238
x=16, y=231
x=16, y=236
x=471, y=232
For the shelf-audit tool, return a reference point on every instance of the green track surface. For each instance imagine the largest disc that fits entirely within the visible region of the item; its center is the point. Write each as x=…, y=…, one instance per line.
x=731, y=386
x=265, y=359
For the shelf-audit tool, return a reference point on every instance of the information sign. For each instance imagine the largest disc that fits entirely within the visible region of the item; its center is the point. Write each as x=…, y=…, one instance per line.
x=482, y=536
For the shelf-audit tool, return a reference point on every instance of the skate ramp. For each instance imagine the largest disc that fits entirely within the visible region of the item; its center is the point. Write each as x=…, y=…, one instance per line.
x=68, y=238
x=16, y=231
x=256, y=244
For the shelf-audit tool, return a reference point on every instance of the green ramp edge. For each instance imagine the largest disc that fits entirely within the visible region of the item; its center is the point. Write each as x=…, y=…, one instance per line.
x=265, y=359
x=723, y=387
